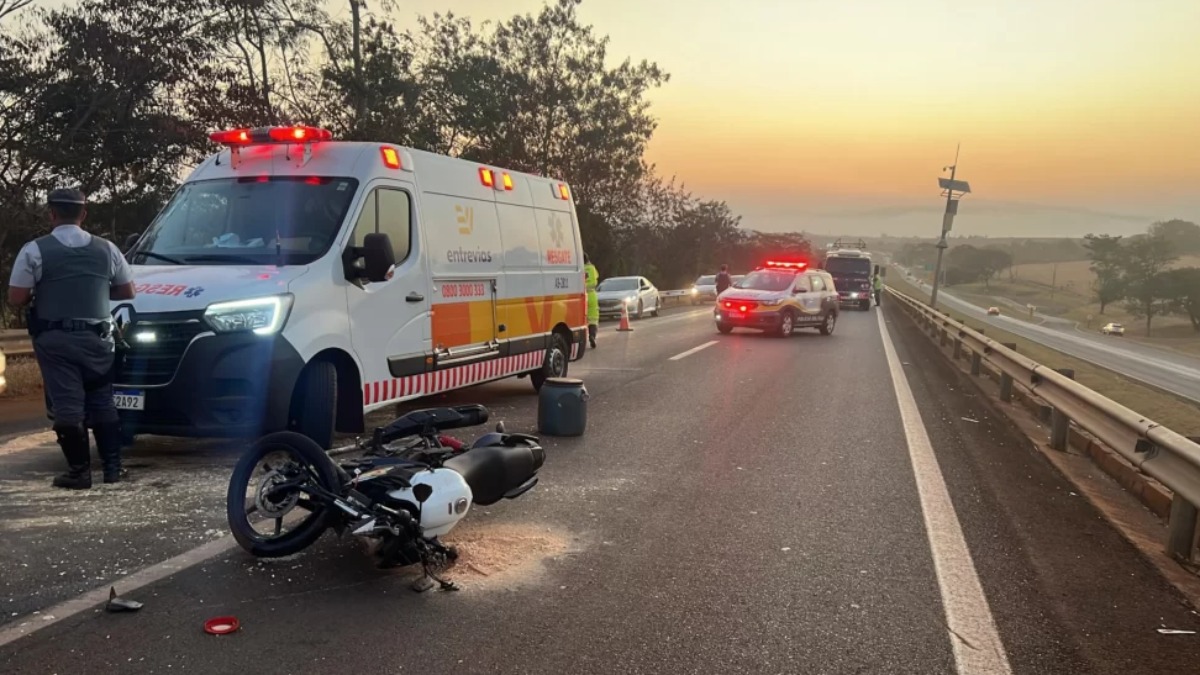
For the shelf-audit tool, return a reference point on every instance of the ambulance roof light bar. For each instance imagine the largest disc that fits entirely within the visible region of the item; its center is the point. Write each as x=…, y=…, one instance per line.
x=269, y=135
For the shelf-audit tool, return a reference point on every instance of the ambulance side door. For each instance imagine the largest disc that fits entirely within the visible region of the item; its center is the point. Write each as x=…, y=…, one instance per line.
x=389, y=320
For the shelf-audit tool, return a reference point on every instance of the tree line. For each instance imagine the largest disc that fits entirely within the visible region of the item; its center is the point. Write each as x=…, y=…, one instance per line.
x=962, y=264
x=1141, y=271
x=117, y=97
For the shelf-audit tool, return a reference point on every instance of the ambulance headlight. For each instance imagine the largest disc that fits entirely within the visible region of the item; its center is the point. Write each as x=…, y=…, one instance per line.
x=264, y=316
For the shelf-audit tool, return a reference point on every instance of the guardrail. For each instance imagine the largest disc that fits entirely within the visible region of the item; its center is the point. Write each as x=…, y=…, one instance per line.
x=16, y=344
x=1151, y=448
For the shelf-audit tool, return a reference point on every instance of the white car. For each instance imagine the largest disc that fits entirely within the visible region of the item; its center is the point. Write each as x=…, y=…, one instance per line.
x=705, y=288
x=636, y=294
x=1113, y=329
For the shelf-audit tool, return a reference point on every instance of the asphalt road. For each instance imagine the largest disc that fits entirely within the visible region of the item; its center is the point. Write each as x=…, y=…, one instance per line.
x=750, y=507
x=1162, y=368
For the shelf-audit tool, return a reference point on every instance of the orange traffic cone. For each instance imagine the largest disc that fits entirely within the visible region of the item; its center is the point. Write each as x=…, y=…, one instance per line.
x=624, y=318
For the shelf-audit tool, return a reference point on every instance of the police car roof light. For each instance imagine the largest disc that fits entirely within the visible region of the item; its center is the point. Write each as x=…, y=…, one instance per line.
x=787, y=265
x=231, y=137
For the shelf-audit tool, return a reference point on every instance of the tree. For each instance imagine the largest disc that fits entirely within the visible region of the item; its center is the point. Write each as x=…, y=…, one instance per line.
x=1183, y=236
x=1146, y=258
x=1107, y=257
x=1181, y=287
x=992, y=261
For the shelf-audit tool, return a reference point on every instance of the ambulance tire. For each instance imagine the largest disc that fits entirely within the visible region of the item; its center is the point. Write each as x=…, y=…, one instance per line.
x=555, y=364
x=315, y=403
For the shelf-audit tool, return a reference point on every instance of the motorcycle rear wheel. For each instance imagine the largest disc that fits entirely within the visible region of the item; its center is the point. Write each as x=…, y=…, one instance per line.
x=302, y=453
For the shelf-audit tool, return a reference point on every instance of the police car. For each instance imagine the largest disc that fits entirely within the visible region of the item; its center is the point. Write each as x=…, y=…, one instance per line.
x=779, y=297
x=294, y=281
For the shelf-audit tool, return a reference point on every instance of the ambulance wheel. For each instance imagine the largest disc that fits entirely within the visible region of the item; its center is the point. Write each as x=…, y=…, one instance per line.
x=315, y=402
x=556, y=363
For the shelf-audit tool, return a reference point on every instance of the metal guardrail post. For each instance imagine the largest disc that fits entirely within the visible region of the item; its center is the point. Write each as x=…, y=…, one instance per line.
x=958, y=348
x=1060, y=424
x=1006, y=381
x=1181, y=537
x=976, y=362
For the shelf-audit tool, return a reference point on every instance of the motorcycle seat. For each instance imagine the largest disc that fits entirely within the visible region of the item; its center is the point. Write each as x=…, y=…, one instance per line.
x=494, y=471
x=435, y=419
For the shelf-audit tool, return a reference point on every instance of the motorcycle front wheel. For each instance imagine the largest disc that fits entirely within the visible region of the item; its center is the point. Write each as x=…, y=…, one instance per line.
x=270, y=514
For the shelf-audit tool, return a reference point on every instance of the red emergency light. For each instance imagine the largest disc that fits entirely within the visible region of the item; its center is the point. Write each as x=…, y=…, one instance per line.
x=786, y=265
x=391, y=158
x=267, y=135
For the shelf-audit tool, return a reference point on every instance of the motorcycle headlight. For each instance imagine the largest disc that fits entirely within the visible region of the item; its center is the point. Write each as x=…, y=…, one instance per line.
x=264, y=316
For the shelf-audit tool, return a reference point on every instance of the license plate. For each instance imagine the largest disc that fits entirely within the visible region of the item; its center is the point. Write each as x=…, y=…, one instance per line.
x=735, y=314
x=129, y=400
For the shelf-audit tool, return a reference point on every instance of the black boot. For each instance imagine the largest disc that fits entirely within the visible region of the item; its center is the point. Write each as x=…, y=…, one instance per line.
x=108, y=446
x=74, y=444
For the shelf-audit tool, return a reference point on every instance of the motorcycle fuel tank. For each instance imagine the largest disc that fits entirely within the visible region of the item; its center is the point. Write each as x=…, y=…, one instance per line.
x=448, y=504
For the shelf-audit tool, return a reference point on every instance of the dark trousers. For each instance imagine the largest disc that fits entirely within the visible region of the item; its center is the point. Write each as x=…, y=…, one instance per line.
x=77, y=373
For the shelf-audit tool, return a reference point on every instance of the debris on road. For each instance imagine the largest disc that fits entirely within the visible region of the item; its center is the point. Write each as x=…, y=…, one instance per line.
x=502, y=554
x=1175, y=631
x=968, y=419
x=118, y=604
x=221, y=625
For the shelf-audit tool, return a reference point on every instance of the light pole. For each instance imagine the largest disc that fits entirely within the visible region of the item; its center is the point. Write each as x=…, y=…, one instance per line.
x=949, y=187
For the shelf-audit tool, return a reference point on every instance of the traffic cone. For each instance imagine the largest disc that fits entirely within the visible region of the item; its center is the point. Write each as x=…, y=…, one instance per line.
x=624, y=318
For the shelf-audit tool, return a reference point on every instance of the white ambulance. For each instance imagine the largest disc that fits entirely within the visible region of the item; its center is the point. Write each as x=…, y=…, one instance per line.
x=298, y=282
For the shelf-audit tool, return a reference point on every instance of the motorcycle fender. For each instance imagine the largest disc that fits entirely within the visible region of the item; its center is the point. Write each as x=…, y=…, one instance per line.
x=450, y=502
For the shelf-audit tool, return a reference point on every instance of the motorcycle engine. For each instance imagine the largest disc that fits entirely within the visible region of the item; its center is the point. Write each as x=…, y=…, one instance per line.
x=398, y=551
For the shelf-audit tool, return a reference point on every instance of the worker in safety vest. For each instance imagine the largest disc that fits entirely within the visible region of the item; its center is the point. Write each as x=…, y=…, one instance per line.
x=70, y=276
x=877, y=283
x=591, y=280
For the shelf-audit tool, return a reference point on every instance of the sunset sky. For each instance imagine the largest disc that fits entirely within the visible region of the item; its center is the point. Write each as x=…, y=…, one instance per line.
x=1074, y=116
x=837, y=117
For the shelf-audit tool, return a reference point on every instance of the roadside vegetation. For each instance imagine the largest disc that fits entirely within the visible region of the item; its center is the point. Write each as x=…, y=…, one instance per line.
x=1172, y=411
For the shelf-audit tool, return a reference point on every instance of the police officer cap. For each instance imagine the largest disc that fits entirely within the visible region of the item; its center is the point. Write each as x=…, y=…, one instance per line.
x=66, y=196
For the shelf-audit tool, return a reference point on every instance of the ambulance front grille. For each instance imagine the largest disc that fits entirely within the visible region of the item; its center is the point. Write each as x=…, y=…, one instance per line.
x=150, y=363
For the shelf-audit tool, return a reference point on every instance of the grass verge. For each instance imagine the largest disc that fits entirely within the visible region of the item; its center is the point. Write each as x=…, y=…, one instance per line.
x=24, y=378
x=1174, y=412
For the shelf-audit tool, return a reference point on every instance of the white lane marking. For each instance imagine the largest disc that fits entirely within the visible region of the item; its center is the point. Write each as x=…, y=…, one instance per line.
x=65, y=610
x=973, y=634
x=693, y=350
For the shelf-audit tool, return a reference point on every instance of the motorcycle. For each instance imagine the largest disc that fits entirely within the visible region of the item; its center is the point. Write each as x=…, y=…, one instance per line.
x=410, y=487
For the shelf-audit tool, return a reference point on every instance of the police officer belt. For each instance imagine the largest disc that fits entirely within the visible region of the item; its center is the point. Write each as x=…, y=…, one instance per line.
x=103, y=328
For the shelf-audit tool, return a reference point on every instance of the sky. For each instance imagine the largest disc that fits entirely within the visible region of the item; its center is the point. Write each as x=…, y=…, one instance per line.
x=1073, y=116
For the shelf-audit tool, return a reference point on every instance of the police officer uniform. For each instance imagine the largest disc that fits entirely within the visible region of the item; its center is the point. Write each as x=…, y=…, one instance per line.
x=71, y=274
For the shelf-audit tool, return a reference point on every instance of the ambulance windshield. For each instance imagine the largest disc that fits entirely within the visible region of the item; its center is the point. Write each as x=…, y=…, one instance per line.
x=255, y=221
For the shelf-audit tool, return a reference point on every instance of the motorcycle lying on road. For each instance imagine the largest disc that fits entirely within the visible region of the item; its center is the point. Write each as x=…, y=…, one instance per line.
x=411, y=486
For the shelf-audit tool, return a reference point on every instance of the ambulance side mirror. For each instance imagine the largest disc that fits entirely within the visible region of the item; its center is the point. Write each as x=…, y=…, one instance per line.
x=378, y=257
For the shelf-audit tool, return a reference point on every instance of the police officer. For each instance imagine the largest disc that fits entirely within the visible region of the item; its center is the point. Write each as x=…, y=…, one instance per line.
x=69, y=276
x=877, y=286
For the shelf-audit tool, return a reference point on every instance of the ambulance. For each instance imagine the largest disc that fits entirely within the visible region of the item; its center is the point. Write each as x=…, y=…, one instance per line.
x=297, y=282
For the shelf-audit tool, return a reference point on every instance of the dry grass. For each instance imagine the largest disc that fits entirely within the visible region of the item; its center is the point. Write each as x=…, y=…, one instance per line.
x=1174, y=412
x=24, y=378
